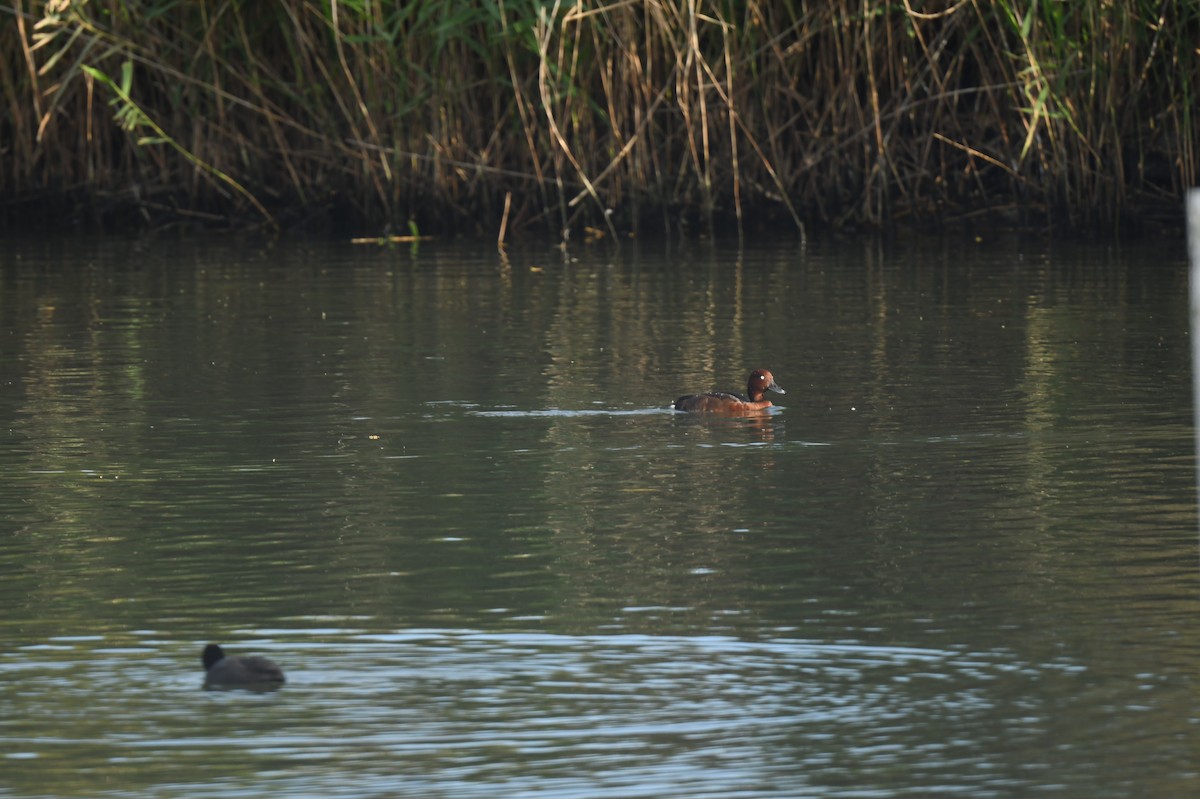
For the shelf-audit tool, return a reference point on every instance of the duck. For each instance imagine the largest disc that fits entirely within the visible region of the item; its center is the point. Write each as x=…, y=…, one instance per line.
x=727, y=402
x=254, y=671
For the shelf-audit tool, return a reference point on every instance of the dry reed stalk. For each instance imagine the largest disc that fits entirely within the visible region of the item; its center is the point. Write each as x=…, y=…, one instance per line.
x=504, y=220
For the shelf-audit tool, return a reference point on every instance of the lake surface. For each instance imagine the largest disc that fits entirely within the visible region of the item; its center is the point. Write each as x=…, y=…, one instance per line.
x=443, y=490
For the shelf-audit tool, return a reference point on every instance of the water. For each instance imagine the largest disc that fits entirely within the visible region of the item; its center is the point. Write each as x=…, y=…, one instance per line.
x=442, y=489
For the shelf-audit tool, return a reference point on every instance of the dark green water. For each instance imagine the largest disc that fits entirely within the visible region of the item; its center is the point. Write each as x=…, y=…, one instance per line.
x=442, y=490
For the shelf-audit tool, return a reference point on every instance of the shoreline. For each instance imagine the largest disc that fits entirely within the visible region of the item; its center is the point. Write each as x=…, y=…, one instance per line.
x=514, y=119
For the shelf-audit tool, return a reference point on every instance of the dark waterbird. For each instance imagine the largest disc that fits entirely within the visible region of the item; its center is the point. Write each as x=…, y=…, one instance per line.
x=728, y=402
x=223, y=671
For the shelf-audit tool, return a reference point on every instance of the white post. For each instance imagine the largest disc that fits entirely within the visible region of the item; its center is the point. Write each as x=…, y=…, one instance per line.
x=1193, y=229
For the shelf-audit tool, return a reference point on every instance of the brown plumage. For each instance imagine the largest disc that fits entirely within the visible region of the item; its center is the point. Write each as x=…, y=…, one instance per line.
x=760, y=382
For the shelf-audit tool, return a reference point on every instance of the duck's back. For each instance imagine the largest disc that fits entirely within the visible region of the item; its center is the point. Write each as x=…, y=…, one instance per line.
x=243, y=670
x=712, y=402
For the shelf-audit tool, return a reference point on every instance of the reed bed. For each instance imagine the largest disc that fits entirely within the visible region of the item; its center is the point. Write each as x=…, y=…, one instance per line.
x=561, y=117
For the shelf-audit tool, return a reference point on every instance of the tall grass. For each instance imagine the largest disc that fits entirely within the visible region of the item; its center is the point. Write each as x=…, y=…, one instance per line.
x=555, y=115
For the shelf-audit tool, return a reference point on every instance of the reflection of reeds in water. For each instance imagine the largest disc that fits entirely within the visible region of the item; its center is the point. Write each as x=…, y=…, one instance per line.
x=556, y=115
